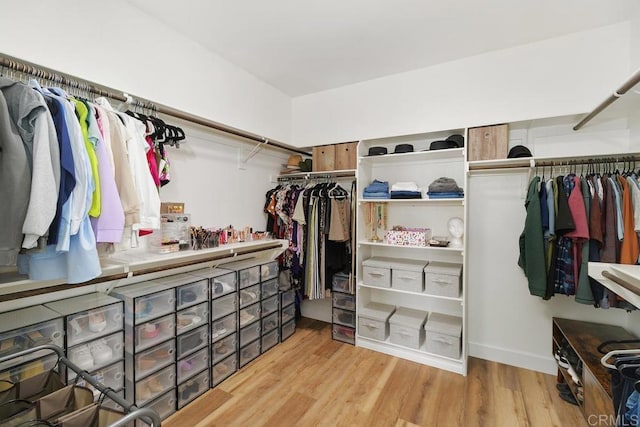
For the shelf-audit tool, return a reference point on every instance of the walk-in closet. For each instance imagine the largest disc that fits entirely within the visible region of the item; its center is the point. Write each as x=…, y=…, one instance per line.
x=360, y=213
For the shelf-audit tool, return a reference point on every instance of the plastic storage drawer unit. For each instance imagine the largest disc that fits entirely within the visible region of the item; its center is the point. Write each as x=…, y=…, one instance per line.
x=223, y=327
x=30, y=327
x=269, y=288
x=373, y=320
x=223, y=348
x=344, y=334
x=164, y=405
x=193, y=388
x=443, y=279
x=153, y=386
x=222, y=281
x=248, y=272
x=287, y=297
x=192, y=341
x=155, y=358
x=90, y=316
x=443, y=334
x=192, y=317
x=288, y=313
x=344, y=301
x=269, y=340
x=340, y=282
x=249, y=353
x=376, y=271
x=249, y=333
x=288, y=329
x=344, y=317
x=191, y=365
x=249, y=295
x=190, y=289
x=223, y=306
x=406, y=327
x=269, y=271
x=145, y=301
x=223, y=370
x=270, y=323
x=99, y=353
x=407, y=275
x=270, y=305
x=154, y=332
x=249, y=314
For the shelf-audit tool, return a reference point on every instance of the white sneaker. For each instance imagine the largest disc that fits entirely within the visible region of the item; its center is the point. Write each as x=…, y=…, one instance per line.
x=101, y=352
x=82, y=357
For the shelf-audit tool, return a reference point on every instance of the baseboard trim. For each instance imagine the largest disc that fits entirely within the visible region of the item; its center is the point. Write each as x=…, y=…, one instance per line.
x=520, y=359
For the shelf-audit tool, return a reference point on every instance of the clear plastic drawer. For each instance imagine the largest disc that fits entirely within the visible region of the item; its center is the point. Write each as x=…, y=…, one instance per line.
x=269, y=271
x=145, y=301
x=269, y=288
x=192, y=317
x=270, y=322
x=250, y=352
x=249, y=333
x=223, y=285
x=191, y=365
x=191, y=294
x=164, y=405
x=270, y=340
x=91, y=324
x=344, y=317
x=270, y=305
x=344, y=334
x=288, y=329
x=223, y=327
x=153, y=359
x=49, y=332
x=154, y=385
x=154, y=332
x=223, y=370
x=249, y=314
x=223, y=348
x=249, y=295
x=223, y=306
x=249, y=276
x=193, y=388
x=192, y=341
x=288, y=313
x=344, y=301
x=287, y=298
x=99, y=353
x=111, y=376
x=109, y=403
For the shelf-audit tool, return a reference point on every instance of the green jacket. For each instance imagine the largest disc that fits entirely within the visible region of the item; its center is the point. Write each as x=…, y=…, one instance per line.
x=532, y=243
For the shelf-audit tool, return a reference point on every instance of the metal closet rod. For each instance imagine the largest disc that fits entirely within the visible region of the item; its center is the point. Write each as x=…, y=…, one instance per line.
x=631, y=82
x=68, y=80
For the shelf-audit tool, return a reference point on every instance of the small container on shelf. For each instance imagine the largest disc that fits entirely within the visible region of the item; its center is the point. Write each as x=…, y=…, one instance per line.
x=406, y=327
x=443, y=335
x=407, y=275
x=376, y=271
x=373, y=320
x=443, y=279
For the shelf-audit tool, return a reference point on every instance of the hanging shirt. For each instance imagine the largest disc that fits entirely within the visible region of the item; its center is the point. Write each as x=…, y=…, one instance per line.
x=531, y=243
x=629, y=249
x=615, y=187
x=107, y=227
x=82, y=113
x=32, y=121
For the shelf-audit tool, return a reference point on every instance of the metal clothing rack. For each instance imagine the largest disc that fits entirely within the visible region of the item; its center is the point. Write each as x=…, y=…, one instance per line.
x=147, y=415
x=307, y=176
x=628, y=85
x=82, y=85
x=527, y=163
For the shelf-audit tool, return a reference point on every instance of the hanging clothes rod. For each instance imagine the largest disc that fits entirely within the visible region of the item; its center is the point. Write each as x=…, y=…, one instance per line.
x=305, y=176
x=68, y=80
x=630, y=83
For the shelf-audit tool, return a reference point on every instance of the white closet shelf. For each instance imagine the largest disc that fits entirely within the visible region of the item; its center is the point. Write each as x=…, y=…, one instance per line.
x=447, y=154
x=455, y=201
x=416, y=355
x=418, y=294
x=627, y=274
x=387, y=245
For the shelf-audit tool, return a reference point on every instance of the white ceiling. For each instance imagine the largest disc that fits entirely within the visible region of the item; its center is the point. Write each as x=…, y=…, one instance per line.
x=302, y=46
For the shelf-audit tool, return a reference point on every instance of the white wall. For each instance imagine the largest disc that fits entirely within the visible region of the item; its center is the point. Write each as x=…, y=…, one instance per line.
x=635, y=39
x=118, y=46
x=565, y=75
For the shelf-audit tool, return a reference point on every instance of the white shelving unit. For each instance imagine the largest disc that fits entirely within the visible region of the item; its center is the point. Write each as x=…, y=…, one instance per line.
x=422, y=167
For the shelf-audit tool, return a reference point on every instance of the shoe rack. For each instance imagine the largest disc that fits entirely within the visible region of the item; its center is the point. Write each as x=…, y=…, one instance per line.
x=287, y=313
x=270, y=306
x=94, y=337
x=582, y=380
x=343, y=310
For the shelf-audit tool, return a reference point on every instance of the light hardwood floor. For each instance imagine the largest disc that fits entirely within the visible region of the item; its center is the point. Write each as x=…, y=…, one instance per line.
x=310, y=380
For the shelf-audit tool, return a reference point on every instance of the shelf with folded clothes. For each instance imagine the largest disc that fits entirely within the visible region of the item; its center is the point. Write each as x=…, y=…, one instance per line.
x=457, y=200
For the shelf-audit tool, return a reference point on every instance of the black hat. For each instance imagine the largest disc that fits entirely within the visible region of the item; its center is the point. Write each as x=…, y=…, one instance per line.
x=457, y=138
x=377, y=151
x=443, y=144
x=519, y=151
x=403, y=148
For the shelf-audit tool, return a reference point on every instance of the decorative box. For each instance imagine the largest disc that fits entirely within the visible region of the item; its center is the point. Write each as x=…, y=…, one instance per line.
x=408, y=237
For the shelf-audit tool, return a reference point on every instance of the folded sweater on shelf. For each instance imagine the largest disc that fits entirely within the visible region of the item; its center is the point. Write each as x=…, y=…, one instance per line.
x=406, y=194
